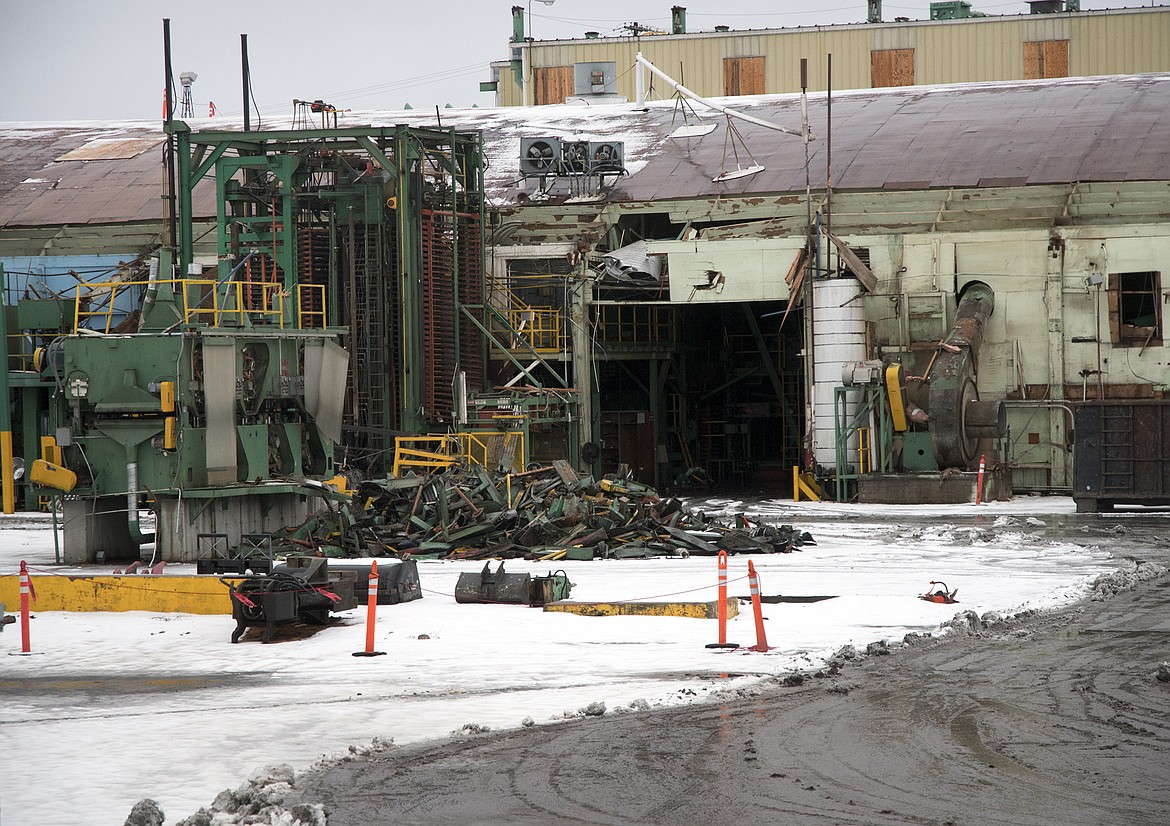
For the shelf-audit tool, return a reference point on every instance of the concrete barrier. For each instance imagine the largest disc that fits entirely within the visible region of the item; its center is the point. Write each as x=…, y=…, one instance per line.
x=159, y=594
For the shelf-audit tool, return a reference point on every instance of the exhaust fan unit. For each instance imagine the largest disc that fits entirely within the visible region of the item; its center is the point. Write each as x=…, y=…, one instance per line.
x=606, y=156
x=540, y=156
x=575, y=157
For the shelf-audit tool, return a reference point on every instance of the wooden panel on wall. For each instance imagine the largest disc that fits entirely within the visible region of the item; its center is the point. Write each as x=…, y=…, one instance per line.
x=1045, y=58
x=743, y=76
x=551, y=84
x=891, y=67
x=1055, y=58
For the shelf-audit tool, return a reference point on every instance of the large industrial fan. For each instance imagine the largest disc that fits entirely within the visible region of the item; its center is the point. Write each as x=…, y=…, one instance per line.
x=606, y=156
x=575, y=157
x=540, y=156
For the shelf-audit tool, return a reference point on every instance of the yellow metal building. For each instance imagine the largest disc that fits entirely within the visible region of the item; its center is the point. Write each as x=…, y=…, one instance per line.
x=865, y=55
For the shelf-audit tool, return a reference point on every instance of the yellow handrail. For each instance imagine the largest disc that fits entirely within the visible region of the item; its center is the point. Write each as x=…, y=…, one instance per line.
x=18, y=359
x=485, y=448
x=305, y=304
x=635, y=324
x=541, y=328
x=210, y=302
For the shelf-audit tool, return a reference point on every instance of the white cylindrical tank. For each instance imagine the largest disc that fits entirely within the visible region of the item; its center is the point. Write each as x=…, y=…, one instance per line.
x=838, y=339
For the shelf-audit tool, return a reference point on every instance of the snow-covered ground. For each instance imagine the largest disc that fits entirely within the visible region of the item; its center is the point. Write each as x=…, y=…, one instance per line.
x=112, y=708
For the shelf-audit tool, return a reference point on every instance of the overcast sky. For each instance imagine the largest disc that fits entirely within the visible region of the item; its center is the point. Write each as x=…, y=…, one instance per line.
x=102, y=59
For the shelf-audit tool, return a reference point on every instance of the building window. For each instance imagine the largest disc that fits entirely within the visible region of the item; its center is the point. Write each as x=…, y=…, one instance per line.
x=1135, y=308
x=891, y=67
x=743, y=75
x=551, y=84
x=1045, y=58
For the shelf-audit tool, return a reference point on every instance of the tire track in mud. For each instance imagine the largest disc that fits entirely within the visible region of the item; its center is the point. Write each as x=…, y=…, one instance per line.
x=1054, y=721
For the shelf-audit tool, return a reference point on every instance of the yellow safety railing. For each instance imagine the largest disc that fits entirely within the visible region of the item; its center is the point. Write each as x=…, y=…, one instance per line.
x=490, y=449
x=806, y=484
x=864, y=459
x=206, y=301
x=311, y=305
x=635, y=323
x=261, y=301
x=103, y=296
x=199, y=300
x=496, y=448
x=408, y=456
x=542, y=328
x=18, y=358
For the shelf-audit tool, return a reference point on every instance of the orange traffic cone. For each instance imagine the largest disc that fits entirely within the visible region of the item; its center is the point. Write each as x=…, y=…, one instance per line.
x=371, y=612
x=721, y=607
x=754, y=582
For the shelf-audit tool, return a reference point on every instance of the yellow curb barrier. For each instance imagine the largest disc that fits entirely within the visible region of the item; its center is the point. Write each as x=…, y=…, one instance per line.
x=129, y=592
x=694, y=610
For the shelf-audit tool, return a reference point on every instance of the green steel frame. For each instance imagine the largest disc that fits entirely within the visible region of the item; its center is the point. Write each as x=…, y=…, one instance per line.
x=411, y=158
x=873, y=401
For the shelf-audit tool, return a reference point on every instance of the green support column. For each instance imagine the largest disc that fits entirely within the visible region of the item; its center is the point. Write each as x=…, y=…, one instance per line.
x=409, y=273
x=456, y=156
x=186, y=240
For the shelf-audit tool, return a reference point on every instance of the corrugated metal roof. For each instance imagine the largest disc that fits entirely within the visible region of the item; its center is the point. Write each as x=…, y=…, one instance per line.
x=1007, y=134
x=95, y=174
x=913, y=138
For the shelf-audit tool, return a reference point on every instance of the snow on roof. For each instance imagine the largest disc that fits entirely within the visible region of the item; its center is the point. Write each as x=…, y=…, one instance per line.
x=908, y=138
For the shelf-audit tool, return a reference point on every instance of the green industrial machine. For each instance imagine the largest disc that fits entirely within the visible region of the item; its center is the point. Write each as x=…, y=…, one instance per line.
x=223, y=387
x=342, y=304
x=383, y=226
x=177, y=392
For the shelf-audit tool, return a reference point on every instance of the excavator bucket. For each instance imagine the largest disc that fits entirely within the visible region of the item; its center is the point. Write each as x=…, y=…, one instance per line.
x=517, y=589
x=397, y=582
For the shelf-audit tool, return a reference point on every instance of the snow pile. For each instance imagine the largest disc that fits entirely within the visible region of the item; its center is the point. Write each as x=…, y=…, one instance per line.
x=269, y=796
x=146, y=813
x=1125, y=579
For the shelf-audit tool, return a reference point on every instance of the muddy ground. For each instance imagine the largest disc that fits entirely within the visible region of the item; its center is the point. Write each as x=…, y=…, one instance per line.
x=1059, y=718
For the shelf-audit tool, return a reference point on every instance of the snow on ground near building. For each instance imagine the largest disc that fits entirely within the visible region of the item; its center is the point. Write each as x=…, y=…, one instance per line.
x=112, y=708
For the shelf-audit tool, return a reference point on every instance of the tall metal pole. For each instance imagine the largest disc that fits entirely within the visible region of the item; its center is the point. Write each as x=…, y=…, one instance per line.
x=9, y=493
x=829, y=150
x=168, y=79
x=247, y=79
x=807, y=183
x=169, y=151
x=810, y=264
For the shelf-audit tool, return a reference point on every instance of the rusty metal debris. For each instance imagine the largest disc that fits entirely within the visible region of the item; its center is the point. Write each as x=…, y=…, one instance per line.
x=548, y=513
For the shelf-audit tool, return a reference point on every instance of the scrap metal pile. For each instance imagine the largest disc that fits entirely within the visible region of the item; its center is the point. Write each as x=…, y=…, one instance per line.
x=548, y=513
